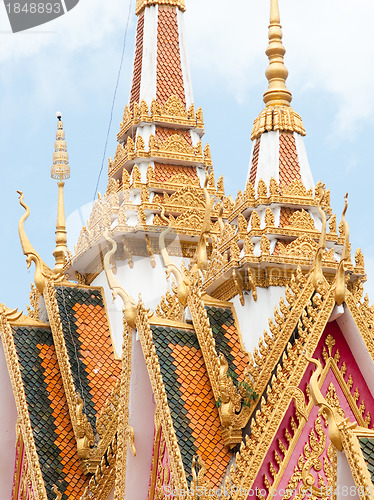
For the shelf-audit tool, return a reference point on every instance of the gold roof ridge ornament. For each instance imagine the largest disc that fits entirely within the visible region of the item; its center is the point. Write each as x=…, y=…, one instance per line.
x=181, y=278
x=278, y=114
x=200, y=259
x=129, y=305
x=341, y=287
x=317, y=267
x=60, y=170
x=42, y=271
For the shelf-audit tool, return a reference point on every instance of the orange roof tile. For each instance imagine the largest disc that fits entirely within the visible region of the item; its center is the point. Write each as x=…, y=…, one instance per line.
x=289, y=168
x=135, y=90
x=169, y=68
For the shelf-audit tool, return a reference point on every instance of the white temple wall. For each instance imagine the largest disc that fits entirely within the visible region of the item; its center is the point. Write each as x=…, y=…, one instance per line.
x=268, y=160
x=254, y=316
x=8, y=419
x=358, y=347
x=305, y=171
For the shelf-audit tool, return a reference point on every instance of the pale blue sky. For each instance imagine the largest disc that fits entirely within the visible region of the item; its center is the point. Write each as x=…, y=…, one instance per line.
x=71, y=65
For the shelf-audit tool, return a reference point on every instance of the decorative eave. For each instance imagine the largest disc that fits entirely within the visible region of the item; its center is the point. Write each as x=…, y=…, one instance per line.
x=173, y=114
x=184, y=207
x=278, y=367
x=274, y=118
x=280, y=393
x=174, y=150
x=106, y=424
x=224, y=390
x=293, y=196
x=142, y=4
x=22, y=408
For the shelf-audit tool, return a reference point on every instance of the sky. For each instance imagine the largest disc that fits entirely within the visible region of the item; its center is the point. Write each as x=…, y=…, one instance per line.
x=71, y=65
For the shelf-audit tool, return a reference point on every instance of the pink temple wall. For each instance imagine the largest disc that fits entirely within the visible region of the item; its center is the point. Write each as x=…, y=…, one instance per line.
x=160, y=460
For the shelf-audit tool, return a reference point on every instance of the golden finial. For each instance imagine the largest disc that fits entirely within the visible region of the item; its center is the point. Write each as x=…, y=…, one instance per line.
x=60, y=170
x=276, y=73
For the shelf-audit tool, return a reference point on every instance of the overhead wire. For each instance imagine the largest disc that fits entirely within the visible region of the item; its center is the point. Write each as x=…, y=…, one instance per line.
x=114, y=99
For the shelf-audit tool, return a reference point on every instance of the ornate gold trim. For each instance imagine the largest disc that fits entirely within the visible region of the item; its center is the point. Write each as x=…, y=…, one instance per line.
x=172, y=113
x=341, y=287
x=102, y=482
x=156, y=320
x=233, y=413
x=129, y=304
x=82, y=428
x=22, y=409
x=180, y=276
x=268, y=419
x=357, y=464
x=42, y=271
x=277, y=118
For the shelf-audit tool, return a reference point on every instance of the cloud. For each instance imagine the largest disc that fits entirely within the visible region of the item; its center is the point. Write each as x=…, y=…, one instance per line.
x=63, y=56
x=328, y=48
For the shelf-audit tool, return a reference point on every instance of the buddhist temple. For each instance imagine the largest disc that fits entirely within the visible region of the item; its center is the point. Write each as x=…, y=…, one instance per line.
x=195, y=344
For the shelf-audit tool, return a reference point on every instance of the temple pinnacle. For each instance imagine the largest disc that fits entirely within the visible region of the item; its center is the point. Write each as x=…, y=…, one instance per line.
x=60, y=170
x=276, y=73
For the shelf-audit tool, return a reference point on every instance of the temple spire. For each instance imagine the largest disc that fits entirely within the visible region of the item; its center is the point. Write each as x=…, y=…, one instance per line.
x=60, y=170
x=276, y=73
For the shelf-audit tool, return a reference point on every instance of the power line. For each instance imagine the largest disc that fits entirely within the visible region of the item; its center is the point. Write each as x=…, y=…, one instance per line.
x=114, y=99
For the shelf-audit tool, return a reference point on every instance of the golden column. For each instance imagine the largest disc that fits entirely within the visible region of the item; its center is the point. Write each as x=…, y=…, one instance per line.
x=60, y=170
x=276, y=73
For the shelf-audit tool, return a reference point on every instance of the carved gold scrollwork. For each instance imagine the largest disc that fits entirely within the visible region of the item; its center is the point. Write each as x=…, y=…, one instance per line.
x=299, y=399
x=42, y=271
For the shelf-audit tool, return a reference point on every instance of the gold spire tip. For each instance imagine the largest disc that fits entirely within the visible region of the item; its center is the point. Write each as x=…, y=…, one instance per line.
x=60, y=168
x=276, y=73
